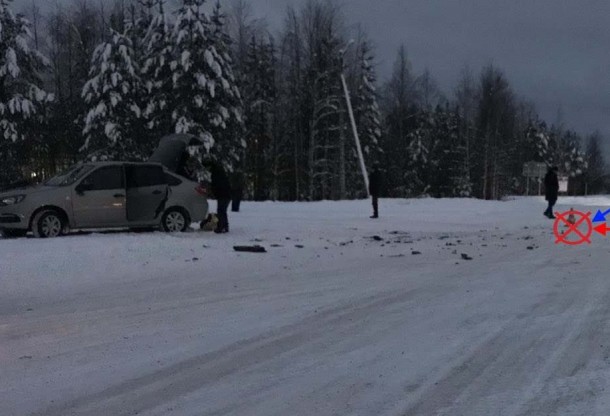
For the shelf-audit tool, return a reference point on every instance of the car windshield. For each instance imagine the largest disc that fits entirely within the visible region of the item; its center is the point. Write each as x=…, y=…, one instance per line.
x=69, y=176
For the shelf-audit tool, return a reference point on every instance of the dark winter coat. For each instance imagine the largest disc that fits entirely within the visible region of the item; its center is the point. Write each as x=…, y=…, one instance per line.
x=375, y=183
x=183, y=168
x=551, y=186
x=221, y=187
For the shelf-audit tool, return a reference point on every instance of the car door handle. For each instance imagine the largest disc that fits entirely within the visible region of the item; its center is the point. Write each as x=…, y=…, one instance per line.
x=157, y=192
x=119, y=196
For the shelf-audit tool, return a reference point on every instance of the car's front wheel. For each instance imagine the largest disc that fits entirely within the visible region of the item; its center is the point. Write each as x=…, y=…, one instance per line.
x=175, y=220
x=48, y=224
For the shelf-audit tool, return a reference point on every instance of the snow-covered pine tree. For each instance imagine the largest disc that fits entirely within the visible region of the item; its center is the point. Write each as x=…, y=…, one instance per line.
x=113, y=122
x=466, y=101
x=542, y=141
x=206, y=100
x=230, y=140
x=449, y=177
x=421, y=146
x=72, y=36
x=595, y=174
x=325, y=123
x=323, y=100
x=427, y=90
x=556, y=147
x=401, y=118
x=574, y=160
x=495, y=145
x=414, y=185
x=437, y=156
x=137, y=26
x=291, y=96
x=21, y=94
x=157, y=73
x=259, y=94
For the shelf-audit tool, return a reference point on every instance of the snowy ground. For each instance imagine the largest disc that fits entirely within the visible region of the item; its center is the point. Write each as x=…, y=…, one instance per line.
x=328, y=322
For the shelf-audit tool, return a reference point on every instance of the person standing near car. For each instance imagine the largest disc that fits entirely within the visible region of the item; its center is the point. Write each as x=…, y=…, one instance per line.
x=221, y=189
x=551, y=190
x=237, y=191
x=184, y=166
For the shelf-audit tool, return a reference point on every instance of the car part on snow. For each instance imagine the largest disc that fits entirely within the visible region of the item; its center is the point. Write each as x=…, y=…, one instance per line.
x=571, y=218
x=210, y=223
x=250, y=249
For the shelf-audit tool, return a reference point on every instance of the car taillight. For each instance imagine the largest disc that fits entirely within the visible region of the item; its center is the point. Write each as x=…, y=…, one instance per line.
x=201, y=190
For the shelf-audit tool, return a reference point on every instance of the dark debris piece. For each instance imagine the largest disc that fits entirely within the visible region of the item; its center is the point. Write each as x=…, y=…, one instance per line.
x=250, y=249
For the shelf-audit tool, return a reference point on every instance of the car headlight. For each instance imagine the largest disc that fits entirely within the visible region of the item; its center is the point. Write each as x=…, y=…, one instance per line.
x=11, y=200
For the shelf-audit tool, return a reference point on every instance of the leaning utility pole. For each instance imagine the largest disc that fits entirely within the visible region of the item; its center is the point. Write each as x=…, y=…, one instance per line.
x=354, y=127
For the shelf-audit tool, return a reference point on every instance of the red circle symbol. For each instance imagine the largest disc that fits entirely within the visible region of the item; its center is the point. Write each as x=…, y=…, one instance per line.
x=573, y=235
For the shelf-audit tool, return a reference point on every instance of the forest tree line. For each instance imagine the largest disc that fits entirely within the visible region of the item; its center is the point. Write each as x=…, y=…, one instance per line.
x=105, y=80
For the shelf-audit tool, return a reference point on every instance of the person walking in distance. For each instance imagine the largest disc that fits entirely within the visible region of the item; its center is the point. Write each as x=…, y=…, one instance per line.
x=221, y=189
x=551, y=190
x=374, y=189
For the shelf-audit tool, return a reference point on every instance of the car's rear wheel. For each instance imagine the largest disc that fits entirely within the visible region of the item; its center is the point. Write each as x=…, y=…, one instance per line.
x=12, y=233
x=175, y=220
x=48, y=224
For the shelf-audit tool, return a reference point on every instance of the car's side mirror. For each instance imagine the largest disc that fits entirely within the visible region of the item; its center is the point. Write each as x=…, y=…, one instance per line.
x=82, y=188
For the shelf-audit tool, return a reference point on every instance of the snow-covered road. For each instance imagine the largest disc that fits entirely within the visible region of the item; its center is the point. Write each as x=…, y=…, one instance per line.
x=329, y=322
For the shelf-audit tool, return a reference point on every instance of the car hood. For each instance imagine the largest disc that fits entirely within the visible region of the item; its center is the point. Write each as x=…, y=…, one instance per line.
x=22, y=184
x=27, y=190
x=170, y=150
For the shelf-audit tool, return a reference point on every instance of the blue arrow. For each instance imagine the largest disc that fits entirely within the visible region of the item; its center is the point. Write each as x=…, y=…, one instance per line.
x=601, y=216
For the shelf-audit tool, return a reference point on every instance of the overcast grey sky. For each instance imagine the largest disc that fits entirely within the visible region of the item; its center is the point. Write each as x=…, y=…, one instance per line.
x=554, y=52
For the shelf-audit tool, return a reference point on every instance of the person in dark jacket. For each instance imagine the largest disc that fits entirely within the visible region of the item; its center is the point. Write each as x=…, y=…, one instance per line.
x=237, y=191
x=375, y=188
x=183, y=166
x=551, y=189
x=221, y=189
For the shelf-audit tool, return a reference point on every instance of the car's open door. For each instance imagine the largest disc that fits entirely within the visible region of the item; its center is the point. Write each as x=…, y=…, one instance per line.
x=147, y=193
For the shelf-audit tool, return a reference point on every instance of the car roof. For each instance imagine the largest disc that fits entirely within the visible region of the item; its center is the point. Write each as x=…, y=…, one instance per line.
x=115, y=163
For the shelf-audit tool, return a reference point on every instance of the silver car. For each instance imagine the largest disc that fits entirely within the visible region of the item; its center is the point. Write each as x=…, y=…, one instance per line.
x=104, y=195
